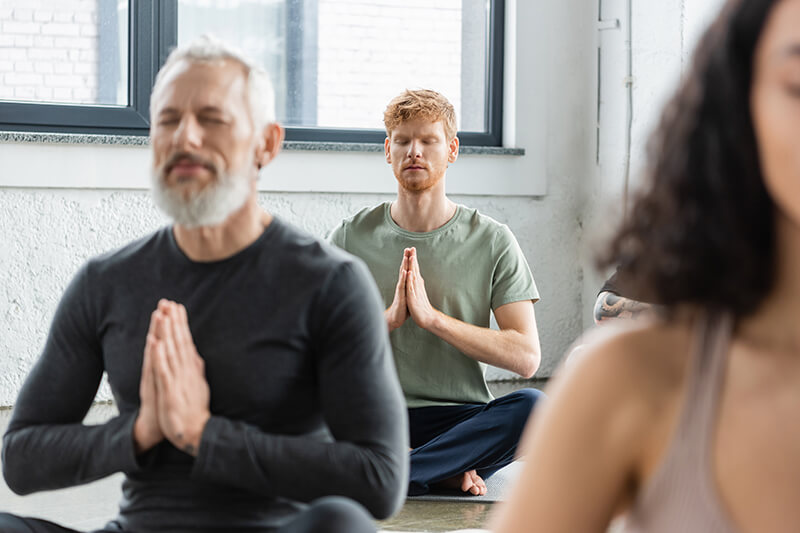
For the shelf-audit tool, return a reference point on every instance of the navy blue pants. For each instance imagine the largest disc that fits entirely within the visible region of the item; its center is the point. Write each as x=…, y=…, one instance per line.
x=453, y=439
x=332, y=514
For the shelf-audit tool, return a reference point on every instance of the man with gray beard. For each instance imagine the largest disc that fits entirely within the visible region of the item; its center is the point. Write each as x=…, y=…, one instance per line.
x=249, y=361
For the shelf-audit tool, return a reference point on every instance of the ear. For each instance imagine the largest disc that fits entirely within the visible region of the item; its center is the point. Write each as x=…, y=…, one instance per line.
x=269, y=144
x=453, y=150
x=386, y=150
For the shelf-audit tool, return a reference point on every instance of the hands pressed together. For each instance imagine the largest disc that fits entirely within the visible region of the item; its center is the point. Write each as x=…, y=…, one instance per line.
x=174, y=392
x=410, y=297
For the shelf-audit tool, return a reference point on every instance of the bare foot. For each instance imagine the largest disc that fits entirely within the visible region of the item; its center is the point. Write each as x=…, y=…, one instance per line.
x=469, y=482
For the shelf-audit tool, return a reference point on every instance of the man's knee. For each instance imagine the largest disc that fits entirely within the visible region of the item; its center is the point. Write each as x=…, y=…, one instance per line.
x=335, y=514
x=521, y=404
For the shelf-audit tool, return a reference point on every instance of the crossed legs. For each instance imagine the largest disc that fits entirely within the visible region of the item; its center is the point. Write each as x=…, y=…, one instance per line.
x=449, y=441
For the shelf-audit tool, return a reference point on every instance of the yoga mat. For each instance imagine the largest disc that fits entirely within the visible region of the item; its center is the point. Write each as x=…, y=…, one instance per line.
x=497, y=487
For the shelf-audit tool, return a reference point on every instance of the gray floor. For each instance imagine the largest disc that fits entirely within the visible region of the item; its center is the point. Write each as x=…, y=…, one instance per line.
x=90, y=506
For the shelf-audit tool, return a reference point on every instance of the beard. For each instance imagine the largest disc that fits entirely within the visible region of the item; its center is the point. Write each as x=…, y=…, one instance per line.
x=210, y=206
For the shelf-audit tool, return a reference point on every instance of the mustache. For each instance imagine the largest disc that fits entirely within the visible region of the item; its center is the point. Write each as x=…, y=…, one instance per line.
x=175, y=158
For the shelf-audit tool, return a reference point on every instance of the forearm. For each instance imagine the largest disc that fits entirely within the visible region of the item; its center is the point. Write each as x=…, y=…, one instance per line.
x=508, y=348
x=610, y=305
x=47, y=457
x=304, y=467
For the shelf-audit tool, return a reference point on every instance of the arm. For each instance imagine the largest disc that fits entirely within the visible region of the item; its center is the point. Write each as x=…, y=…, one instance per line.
x=582, y=450
x=610, y=305
x=515, y=347
x=46, y=446
x=362, y=406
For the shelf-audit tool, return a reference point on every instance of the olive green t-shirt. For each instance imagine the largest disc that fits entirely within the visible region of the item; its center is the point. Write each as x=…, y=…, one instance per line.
x=470, y=265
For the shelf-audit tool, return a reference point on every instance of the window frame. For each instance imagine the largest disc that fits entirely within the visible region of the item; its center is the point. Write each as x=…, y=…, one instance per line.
x=153, y=32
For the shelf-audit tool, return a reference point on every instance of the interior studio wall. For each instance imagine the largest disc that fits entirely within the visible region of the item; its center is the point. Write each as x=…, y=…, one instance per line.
x=661, y=40
x=61, y=204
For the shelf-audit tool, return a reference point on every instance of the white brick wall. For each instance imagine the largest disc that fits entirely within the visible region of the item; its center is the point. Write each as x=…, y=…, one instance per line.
x=48, y=50
x=369, y=51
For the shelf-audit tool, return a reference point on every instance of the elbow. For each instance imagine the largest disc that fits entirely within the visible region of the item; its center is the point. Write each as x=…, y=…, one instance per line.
x=529, y=363
x=386, y=505
x=14, y=476
x=388, y=491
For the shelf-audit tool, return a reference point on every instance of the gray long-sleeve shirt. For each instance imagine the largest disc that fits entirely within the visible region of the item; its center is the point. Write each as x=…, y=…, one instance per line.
x=304, y=397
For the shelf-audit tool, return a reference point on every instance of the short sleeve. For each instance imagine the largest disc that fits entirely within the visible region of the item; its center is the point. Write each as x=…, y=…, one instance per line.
x=512, y=280
x=336, y=237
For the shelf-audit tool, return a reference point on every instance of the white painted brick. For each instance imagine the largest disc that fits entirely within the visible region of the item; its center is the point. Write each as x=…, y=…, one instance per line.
x=57, y=28
x=86, y=17
x=23, y=41
x=6, y=66
x=44, y=93
x=84, y=94
x=24, y=93
x=43, y=42
x=6, y=93
x=62, y=94
x=64, y=67
x=23, y=66
x=58, y=80
x=64, y=16
x=74, y=55
x=88, y=30
x=43, y=15
x=88, y=55
x=14, y=54
x=47, y=53
x=6, y=40
x=42, y=67
x=23, y=15
x=85, y=68
x=25, y=28
x=12, y=78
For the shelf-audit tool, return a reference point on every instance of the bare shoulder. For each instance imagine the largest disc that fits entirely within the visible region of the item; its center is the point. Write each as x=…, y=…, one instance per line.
x=652, y=352
x=633, y=372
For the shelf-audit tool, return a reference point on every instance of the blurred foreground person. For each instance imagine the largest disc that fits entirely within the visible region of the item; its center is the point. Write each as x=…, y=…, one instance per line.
x=249, y=361
x=689, y=422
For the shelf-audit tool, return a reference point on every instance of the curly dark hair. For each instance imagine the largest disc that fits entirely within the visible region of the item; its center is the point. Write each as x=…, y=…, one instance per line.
x=701, y=232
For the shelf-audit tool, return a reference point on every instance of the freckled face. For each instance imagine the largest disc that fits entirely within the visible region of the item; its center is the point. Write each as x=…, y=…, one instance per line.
x=419, y=153
x=775, y=107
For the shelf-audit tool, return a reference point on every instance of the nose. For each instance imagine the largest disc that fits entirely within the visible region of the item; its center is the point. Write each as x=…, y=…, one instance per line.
x=188, y=134
x=414, y=149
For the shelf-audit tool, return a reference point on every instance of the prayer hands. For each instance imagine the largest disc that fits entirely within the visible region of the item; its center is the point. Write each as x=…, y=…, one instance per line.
x=397, y=313
x=410, y=297
x=419, y=306
x=174, y=391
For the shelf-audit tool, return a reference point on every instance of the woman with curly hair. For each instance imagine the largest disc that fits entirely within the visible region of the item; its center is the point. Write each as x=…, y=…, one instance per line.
x=690, y=421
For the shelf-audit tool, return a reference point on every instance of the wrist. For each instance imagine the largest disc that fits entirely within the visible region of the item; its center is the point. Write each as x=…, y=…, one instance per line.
x=144, y=436
x=433, y=321
x=190, y=442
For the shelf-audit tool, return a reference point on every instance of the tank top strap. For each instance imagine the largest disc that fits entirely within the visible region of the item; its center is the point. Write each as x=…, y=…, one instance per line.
x=705, y=379
x=681, y=495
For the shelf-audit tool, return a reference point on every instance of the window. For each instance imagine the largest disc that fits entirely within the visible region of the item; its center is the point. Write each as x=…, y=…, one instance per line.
x=88, y=66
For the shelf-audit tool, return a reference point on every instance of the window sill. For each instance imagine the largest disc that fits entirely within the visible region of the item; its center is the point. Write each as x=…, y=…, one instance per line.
x=137, y=140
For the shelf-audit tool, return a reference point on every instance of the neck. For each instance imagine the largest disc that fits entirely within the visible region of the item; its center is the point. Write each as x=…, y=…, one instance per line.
x=422, y=211
x=214, y=243
x=775, y=320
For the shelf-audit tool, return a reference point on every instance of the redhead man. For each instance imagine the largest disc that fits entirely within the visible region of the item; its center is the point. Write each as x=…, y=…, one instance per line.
x=442, y=269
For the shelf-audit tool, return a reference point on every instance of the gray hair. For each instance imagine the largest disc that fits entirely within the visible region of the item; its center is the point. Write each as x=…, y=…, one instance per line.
x=261, y=95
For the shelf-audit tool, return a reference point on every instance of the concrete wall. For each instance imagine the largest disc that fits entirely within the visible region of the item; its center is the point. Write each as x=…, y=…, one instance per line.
x=62, y=204
x=663, y=37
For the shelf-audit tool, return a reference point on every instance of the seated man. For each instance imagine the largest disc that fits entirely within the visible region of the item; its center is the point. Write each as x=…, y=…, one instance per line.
x=441, y=269
x=249, y=361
